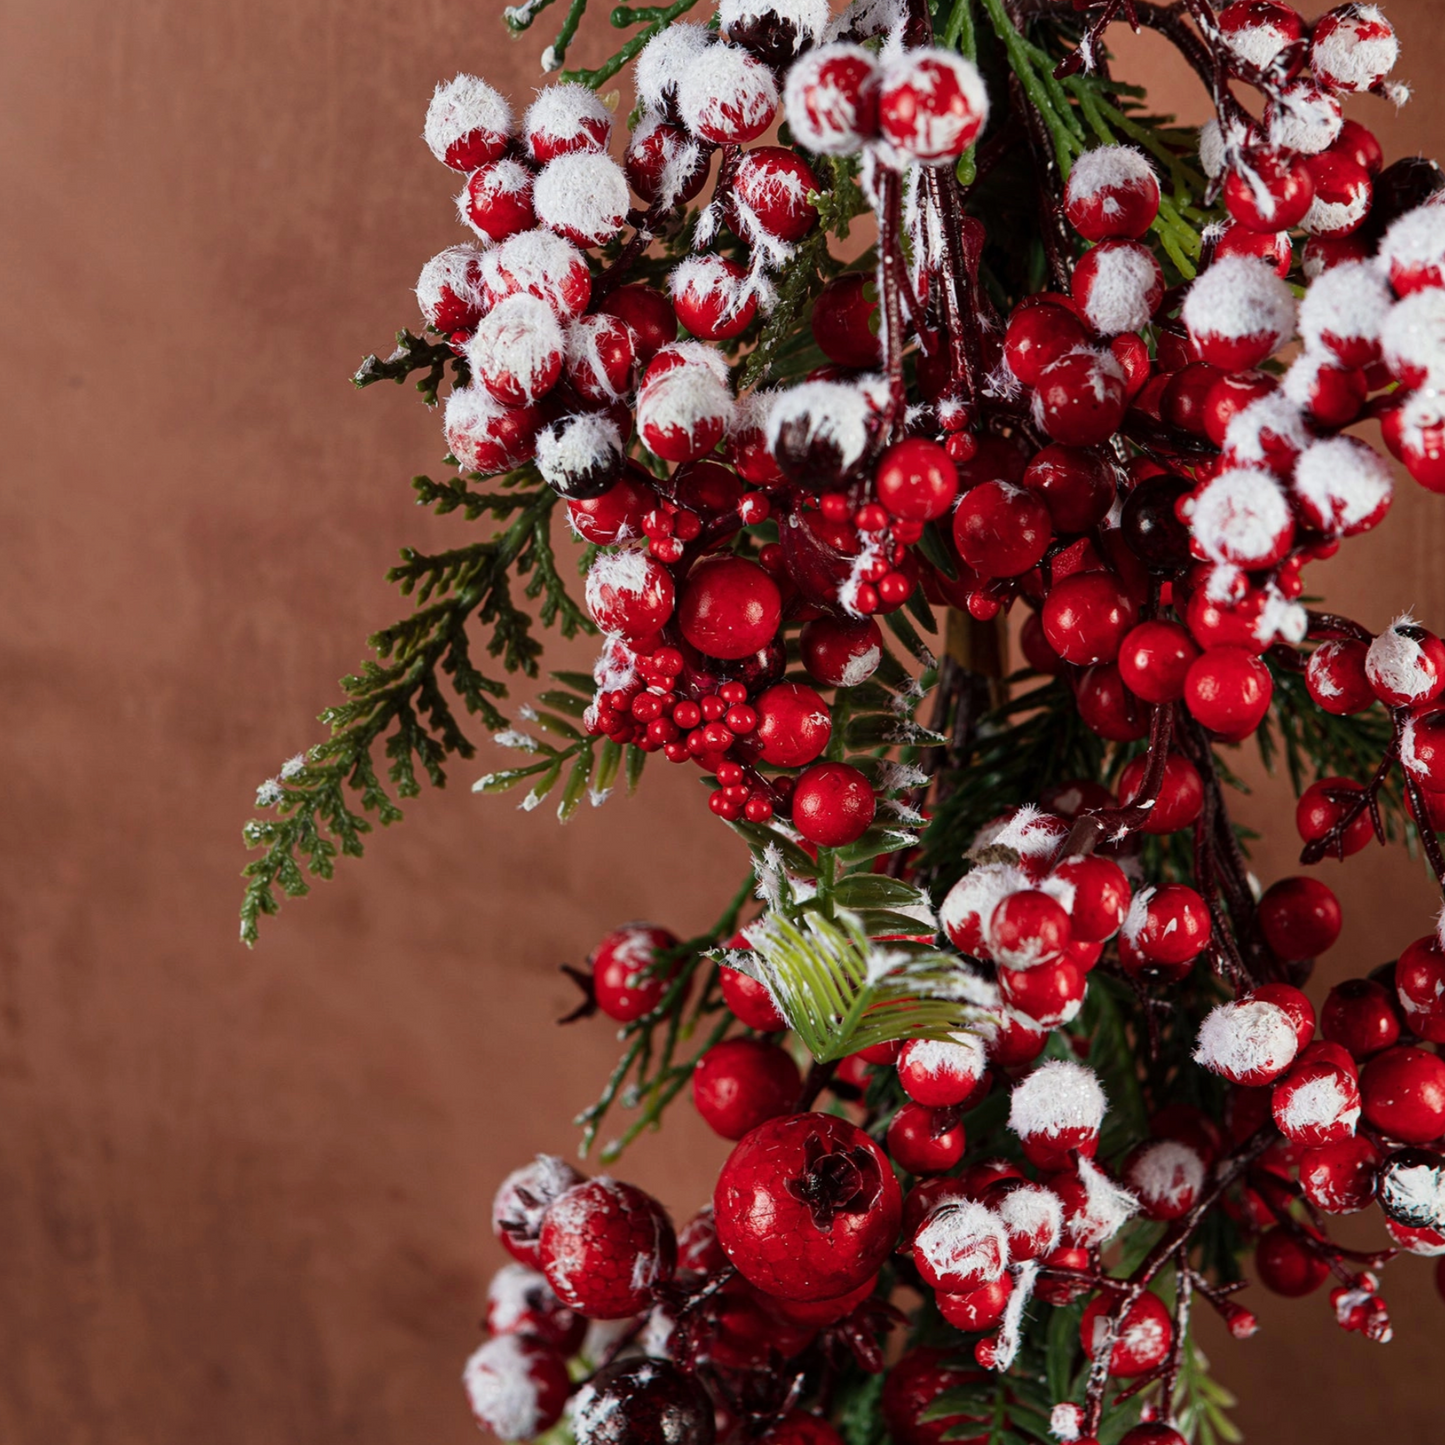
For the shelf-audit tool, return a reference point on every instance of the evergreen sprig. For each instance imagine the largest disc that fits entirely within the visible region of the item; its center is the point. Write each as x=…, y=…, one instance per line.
x=402, y=698
x=412, y=354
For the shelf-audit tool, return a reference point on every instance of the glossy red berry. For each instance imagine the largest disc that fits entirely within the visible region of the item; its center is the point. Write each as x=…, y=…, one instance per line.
x=1339, y=1178
x=923, y=1140
x=832, y=98
x=1360, y=1015
x=770, y=194
x=664, y=163
x=1144, y=1336
x=960, y=1246
x=1086, y=617
x=793, y=724
x=1402, y=1091
x=1336, y=676
x=603, y=1247
x=740, y=1083
x=931, y=105
x=807, y=1207
x=521, y=1302
x=1166, y=1177
x=1076, y=485
x=1286, y=1266
x=846, y=321
x=941, y=1073
x=916, y=480
x=1080, y=398
x=1300, y=917
x=977, y=1309
x=648, y=312
x=1118, y=286
x=1275, y=197
x=1406, y=664
x=1101, y=896
x=1154, y=659
x=913, y=1384
x=1039, y=335
x=627, y=978
x=1181, y=793
x=840, y=652
x=1169, y=925
x=1028, y=928
x=1228, y=690
x=730, y=608
x=468, y=123
x=750, y=1001
x=833, y=804
x=1323, y=804
x=1108, y=707
x=1001, y=529
x=711, y=297
x=1049, y=994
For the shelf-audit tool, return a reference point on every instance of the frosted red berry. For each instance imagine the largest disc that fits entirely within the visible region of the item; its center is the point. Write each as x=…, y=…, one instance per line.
x=628, y=979
x=740, y=1083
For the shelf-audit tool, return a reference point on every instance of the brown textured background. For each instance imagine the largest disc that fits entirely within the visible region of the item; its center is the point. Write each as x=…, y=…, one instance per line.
x=243, y=1196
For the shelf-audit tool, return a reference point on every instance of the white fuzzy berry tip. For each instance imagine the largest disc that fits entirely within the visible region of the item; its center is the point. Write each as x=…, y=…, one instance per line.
x=938, y=135
x=582, y=195
x=1124, y=288
x=1107, y=1207
x=1033, y=1212
x=1066, y=1422
x=461, y=107
x=1056, y=1097
x=1247, y=1041
x=1343, y=483
x=1167, y=1173
x=1034, y=835
x=971, y=901
x=1269, y=425
x=1397, y=664
x=1108, y=168
x=1412, y=337
x=963, y=1056
x=510, y=1296
x=453, y=273
x=1346, y=303
x=836, y=412
x=809, y=18
x=500, y=1389
x=1240, y=516
x=723, y=91
x=521, y=338
x=1320, y=1101
x=822, y=114
x=1354, y=48
x=1238, y=297
x=963, y=1237
x=568, y=113
x=537, y=261
x=576, y=446
x=664, y=61
x=629, y=572
x=1415, y=240
x=1305, y=119
x=1416, y=1192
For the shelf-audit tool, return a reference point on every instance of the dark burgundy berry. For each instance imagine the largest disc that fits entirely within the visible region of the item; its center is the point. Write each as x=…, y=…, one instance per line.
x=1151, y=526
x=1411, y=1188
x=642, y=1402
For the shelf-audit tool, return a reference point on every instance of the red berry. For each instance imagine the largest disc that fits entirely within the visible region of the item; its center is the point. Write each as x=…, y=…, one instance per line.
x=541, y=265
x=1361, y=1015
x=1343, y=193
x=846, y=321
x=1049, y=994
x=1406, y=665
x=1275, y=197
x=1318, y=1101
x=517, y=1386
x=960, y=1246
x=711, y=296
x=730, y=100
x=807, y=1207
x=1118, y=286
x=931, y=105
x=1167, y=1177
x=916, y=480
x=614, y=516
x=1080, y=398
x=1001, y=529
x=487, y=437
x=1336, y=677
x=1076, y=486
x=468, y=123
x=521, y=1302
x=800, y=1428
x=1403, y=1094
x=1154, y=659
x=832, y=98
x=1028, y=928
x=650, y=315
x=1168, y=925
x=1272, y=247
x=925, y=1141
x=449, y=289
x=1038, y=335
x=1300, y=917
x=664, y=164
x=1288, y=1267
x=522, y=1201
x=1086, y=617
x=1238, y=312
x=941, y=1073
x=730, y=608
x=793, y=725
x=740, y=1083
x=1352, y=48
x=750, y=1001
x=770, y=193
x=1339, y=1178
x=604, y=1245
x=1112, y=191
x=1181, y=794
x=1101, y=896
x=1108, y=707
x=1260, y=31
x=1228, y=690
x=841, y=653
x=1144, y=1336
x=977, y=1309
x=629, y=593
x=497, y=201
x=625, y=977
x=833, y=804
x=1322, y=805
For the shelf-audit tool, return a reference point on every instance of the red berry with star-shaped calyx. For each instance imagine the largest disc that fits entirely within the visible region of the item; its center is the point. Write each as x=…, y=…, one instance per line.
x=807, y=1207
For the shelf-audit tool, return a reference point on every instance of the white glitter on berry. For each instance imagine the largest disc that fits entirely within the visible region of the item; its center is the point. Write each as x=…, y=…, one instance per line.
x=1250, y=1040
x=1056, y=1097
x=461, y=106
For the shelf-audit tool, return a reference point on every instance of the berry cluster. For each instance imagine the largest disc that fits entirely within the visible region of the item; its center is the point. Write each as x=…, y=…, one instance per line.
x=1019, y=950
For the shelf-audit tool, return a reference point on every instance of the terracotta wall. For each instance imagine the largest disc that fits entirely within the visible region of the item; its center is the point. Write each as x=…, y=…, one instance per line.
x=243, y=1195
